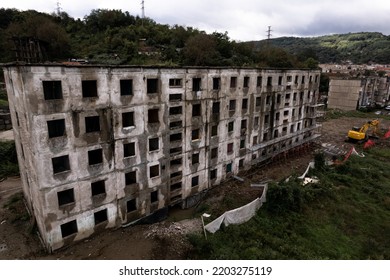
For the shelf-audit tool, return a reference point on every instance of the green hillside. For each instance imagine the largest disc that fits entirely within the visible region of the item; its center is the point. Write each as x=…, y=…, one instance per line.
x=361, y=47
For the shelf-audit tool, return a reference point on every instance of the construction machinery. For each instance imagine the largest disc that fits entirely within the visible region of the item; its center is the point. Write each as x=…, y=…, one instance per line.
x=359, y=134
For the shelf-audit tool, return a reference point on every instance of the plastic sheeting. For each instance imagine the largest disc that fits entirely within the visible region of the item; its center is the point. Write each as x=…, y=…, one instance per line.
x=238, y=215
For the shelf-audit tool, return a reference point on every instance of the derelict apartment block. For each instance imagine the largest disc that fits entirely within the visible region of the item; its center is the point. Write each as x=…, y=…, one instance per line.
x=104, y=146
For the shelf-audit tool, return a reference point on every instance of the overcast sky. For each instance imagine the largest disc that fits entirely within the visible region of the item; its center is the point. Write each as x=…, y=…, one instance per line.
x=244, y=20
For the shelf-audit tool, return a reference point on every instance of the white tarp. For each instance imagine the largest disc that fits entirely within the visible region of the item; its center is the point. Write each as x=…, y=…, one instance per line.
x=238, y=215
x=311, y=165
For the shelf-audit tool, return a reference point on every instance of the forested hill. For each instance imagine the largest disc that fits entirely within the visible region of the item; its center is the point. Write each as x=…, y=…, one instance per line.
x=116, y=37
x=359, y=48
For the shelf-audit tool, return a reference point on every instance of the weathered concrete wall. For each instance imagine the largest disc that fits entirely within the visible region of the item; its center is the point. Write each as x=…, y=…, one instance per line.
x=343, y=94
x=263, y=113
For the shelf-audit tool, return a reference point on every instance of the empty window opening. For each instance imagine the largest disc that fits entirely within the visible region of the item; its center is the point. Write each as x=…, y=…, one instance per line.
x=153, y=144
x=95, y=156
x=292, y=128
x=60, y=164
x=195, y=134
x=175, y=82
x=214, y=130
x=214, y=152
x=228, y=168
x=195, y=158
x=285, y=113
x=131, y=205
x=213, y=174
x=287, y=96
x=129, y=149
x=154, y=170
x=196, y=110
x=154, y=196
x=231, y=126
x=52, y=90
x=268, y=100
x=98, y=187
x=130, y=178
x=100, y=216
x=176, y=174
x=92, y=124
x=215, y=108
x=232, y=105
x=216, y=83
x=230, y=148
x=265, y=136
x=293, y=113
x=176, y=110
x=276, y=133
x=277, y=116
x=284, y=130
x=151, y=86
x=65, y=197
x=295, y=96
x=153, y=116
x=196, y=84
x=242, y=143
x=254, y=140
x=303, y=79
x=126, y=87
x=56, y=128
x=258, y=101
x=289, y=78
x=296, y=79
x=175, y=97
x=259, y=81
x=69, y=228
x=280, y=81
x=194, y=181
x=243, y=124
x=233, y=82
x=244, y=104
x=89, y=88
x=316, y=78
x=175, y=137
x=176, y=186
x=176, y=150
x=128, y=119
x=310, y=79
x=269, y=81
x=288, y=87
x=278, y=98
x=246, y=82
x=176, y=124
x=266, y=119
x=174, y=162
x=256, y=121
x=299, y=126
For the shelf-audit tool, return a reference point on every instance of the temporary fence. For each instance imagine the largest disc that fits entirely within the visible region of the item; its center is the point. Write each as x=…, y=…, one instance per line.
x=238, y=215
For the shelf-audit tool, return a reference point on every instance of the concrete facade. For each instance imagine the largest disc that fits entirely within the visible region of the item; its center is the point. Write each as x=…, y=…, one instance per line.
x=344, y=94
x=100, y=146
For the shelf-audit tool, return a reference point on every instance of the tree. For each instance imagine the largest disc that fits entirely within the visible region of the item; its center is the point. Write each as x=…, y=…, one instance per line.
x=200, y=50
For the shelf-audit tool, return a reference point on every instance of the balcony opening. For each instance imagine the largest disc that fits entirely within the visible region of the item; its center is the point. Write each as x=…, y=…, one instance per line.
x=244, y=104
x=195, y=158
x=214, y=130
x=153, y=144
x=129, y=149
x=196, y=84
x=130, y=177
x=89, y=88
x=176, y=174
x=56, y=128
x=69, y=228
x=176, y=186
x=98, y=187
x=100, y=216
x=153, y=116
x=60, y=164
x=175, y=162
x=126, y=87
x=195, y=134
x=194, y=181
x=196, y=110
x=176, y=124
x=175, y=110
x=65, y=197
x=216, y=83
x=128, y=119
x=175, y=97
x=131, y=205
x=95, y=156
x=175, y=137
x=92, y=124
x=154, y=196
x=154, y=171
x=214, y=153
x=52, y=90
x=151, y=86
x=215, y=108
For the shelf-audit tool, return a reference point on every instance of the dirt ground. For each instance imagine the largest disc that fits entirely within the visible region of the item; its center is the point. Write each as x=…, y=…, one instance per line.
x=164, y=240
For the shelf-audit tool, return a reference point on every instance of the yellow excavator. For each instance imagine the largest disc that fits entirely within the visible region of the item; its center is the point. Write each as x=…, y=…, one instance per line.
x=360, y=133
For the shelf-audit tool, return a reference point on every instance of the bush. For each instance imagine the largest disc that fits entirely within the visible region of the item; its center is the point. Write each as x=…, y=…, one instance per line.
x=9, y=161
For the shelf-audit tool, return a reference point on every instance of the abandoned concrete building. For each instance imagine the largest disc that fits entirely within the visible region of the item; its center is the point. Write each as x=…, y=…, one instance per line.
x=104, y=146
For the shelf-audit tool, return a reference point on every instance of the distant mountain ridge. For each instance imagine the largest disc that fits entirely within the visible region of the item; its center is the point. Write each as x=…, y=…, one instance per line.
x=362, y=47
